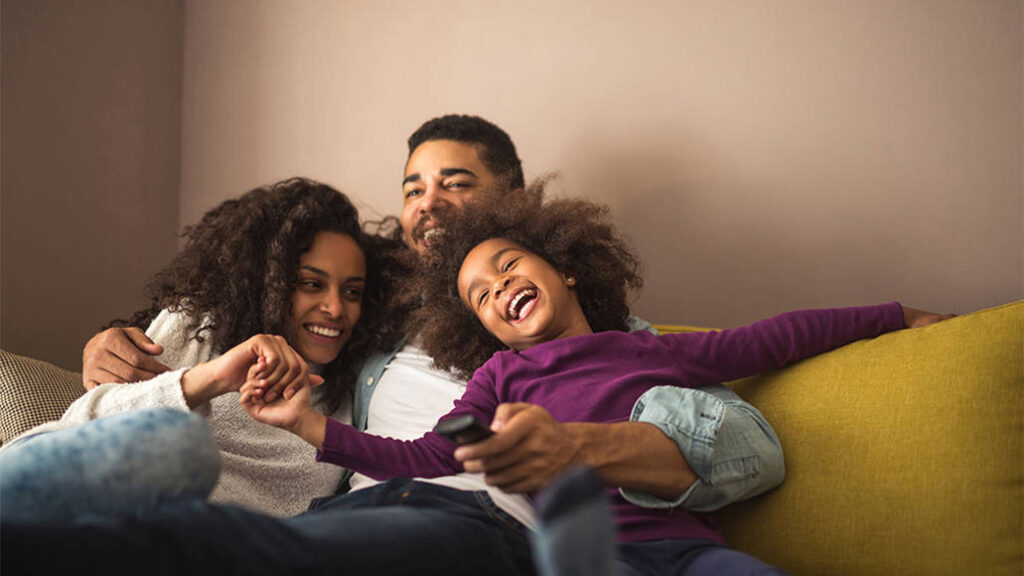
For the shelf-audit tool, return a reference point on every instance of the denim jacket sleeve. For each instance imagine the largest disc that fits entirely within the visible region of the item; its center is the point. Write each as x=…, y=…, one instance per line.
x=727, y=442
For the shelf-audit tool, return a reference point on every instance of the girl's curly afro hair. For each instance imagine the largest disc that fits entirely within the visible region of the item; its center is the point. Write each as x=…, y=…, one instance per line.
x=575, y=236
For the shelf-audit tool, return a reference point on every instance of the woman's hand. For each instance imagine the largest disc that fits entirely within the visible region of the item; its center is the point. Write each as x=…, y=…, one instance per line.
x=282, y=371
x=913, y=318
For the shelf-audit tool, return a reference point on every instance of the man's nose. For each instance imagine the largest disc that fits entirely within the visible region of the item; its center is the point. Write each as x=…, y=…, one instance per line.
x=433, y=196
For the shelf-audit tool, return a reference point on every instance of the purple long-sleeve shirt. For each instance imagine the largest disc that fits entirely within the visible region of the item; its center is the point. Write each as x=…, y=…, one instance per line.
x=598, y=377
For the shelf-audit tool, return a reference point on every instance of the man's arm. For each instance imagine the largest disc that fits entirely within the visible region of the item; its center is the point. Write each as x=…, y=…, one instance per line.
x=532, y=449
x=120, y=355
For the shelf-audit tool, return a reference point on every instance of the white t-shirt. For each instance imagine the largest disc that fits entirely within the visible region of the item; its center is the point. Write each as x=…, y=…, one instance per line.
x=410, y=397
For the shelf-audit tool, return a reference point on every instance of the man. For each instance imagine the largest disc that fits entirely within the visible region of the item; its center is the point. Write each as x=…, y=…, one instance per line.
x=690, y=448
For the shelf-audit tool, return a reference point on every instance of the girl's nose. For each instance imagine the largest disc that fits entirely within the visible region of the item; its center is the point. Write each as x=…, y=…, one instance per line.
x=499, y=285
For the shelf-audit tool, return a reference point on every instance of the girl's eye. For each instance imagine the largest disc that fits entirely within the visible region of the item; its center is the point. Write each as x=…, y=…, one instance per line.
x=480, y=299
x=508, y=265
x=309, y=283
x=353, y=293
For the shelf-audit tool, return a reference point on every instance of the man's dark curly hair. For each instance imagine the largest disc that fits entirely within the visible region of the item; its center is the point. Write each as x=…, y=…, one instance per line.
x=238, y=270
x=575, y=236
x=493, y=145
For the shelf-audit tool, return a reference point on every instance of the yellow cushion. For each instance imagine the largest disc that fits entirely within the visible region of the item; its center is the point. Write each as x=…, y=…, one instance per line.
x=903, y=453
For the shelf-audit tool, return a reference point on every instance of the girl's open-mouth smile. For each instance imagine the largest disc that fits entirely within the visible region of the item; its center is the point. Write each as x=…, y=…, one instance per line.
x=521, y=304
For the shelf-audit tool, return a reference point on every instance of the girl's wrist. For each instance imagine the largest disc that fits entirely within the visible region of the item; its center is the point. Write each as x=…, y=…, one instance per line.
x=311, y=426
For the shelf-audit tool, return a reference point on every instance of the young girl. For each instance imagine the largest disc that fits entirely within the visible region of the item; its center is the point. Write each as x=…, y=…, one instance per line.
x=536, y=293
x=289, y=259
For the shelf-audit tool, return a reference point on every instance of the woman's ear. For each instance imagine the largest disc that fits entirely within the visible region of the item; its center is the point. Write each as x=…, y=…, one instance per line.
x=570, y=280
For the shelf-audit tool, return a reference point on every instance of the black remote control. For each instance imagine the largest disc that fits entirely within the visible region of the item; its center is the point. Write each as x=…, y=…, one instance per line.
x=463, y=429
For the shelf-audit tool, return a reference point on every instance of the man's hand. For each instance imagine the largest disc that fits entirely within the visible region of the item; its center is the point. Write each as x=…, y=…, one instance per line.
x=527, y=452
x=913, y=318
x=120, y=355
x=531, y=448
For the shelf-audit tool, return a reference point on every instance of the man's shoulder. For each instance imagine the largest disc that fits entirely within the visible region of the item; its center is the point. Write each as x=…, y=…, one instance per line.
x=637, y=324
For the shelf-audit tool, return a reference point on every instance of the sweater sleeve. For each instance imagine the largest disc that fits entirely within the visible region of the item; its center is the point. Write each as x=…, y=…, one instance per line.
x=170, y=330
x=711, y=357
x=427, y=457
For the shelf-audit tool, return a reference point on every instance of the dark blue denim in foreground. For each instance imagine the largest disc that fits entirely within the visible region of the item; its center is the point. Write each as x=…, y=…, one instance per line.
x=395, y=528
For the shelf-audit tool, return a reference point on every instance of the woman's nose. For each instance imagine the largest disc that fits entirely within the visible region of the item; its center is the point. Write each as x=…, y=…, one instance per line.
x=331, y=305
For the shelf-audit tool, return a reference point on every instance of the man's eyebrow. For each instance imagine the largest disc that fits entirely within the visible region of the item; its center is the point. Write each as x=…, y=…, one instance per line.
x=454, y=171
x=444, y=172
x=494, y=262
x=320, y=272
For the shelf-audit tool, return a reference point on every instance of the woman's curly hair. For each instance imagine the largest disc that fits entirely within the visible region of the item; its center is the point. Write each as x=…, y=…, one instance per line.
x=237, y=272
x=575, y=236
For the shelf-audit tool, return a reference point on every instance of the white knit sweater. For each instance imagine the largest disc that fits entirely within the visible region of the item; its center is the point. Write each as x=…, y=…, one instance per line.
x=264, y=468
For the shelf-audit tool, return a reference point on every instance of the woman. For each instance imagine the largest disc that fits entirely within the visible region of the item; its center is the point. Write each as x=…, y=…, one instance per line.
x=288, y=259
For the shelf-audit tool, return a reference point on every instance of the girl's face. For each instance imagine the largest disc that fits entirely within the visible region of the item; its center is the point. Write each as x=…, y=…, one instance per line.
x=518, y=297
x=328, y=297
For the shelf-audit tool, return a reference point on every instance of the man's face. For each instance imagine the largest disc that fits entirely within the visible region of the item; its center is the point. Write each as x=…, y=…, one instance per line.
x=440, y=177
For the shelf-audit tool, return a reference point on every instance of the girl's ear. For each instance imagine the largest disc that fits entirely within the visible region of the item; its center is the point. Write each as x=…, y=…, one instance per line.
x=570, y=280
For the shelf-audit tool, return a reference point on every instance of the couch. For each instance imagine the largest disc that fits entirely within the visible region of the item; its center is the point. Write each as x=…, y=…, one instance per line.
x=904, y=454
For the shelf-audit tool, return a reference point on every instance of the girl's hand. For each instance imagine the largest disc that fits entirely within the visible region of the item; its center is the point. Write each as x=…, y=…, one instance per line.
x=284, y=413
x=913, y=318
x=282, y=370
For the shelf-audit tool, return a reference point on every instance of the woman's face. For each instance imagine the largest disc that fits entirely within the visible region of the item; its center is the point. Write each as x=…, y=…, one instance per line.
x=328, y=297
x=518, y=296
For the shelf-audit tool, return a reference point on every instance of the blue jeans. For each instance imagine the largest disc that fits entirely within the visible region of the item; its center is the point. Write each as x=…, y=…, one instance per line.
x=121, y=464
x=398, y=527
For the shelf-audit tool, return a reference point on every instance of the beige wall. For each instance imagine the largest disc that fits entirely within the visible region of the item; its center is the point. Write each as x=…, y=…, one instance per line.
x=91, y=158
x=762, y=156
